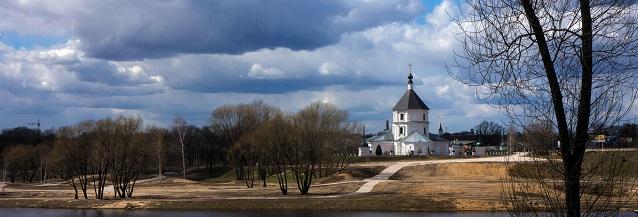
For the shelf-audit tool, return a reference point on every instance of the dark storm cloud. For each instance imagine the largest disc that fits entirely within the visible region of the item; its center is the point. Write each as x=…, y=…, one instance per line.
x=155, y=29
x=250, y=85
x=185, y=58
x=107, y=73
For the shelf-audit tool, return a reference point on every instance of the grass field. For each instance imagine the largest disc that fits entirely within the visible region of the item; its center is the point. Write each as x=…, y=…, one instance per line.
x=436, y=187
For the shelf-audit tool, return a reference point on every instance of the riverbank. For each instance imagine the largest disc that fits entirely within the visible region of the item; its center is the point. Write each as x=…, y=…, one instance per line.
x=333, y=193
x=471, y=184
x=347, y=203
x=399, y=193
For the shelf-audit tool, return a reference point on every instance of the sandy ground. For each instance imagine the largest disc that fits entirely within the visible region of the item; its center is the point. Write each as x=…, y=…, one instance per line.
x=470, y=184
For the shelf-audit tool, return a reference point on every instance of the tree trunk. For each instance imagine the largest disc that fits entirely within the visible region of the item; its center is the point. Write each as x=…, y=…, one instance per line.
x=76, y=192
x=159, y=166
x=572, y=192
x=572, y=153
x=183, y=161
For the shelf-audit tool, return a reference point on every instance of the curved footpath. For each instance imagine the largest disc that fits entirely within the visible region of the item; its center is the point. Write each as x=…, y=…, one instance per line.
x=388, y=172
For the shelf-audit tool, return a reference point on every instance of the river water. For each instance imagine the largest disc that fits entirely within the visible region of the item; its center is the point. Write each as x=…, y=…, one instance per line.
x=29, y=212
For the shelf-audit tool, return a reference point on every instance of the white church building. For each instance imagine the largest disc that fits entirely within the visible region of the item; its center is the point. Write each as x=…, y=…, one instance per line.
x=410, y=131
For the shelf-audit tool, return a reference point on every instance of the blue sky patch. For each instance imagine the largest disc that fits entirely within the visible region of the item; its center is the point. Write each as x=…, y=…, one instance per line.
x=28, y=41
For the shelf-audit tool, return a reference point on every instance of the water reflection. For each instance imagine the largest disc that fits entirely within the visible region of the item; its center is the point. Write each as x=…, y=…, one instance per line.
x=27, y=212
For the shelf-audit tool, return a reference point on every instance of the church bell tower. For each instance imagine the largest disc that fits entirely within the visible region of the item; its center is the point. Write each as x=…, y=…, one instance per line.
x=410, y=114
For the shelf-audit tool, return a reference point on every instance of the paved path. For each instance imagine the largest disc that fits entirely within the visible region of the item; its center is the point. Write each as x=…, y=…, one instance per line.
x=392, y=169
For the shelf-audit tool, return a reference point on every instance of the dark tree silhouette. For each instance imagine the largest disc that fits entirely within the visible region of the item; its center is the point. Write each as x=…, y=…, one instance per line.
x=568, y=61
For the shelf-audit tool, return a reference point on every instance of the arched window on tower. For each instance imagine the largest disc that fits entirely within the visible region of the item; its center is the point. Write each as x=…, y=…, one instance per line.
x=401, y=131
x=402, y=116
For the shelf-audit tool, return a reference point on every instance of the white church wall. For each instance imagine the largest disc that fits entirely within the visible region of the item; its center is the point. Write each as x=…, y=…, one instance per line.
x=422, y=149
x=441, y=148
x=417, y=115
x=458, y=151
x=413, y=121
x=365, y=151
x=479, y=151
x=417, y=127
x=387, y=148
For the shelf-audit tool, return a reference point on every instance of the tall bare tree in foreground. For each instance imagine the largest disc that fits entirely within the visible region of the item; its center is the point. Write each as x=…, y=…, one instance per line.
x=182, y=132
x=572, y=62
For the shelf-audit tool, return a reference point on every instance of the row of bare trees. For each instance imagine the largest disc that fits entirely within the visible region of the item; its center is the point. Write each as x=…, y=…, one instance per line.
x=25, y=154
x=24, y=161
x=256, y=140
x=263, y=141
x=110, y=150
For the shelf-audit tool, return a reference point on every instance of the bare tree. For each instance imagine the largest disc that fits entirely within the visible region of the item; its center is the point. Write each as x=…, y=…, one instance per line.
x=92, y=151
x=156, y=138
x=4, y=170
x=278, y=139
x=540, y=137
x=489, y=132
x=182, y=132
x=488, y=128
x=233, y=122
x=104, y=136
x=225, y=121
x=314, y=129
x=250, y=152
x=74, y=143
x=130, y=156
x=568, y=61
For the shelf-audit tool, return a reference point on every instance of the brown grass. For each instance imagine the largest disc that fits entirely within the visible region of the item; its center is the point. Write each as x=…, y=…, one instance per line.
x=472, y=171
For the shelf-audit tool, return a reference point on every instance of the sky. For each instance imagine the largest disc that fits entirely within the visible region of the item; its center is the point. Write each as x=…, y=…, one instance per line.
x=70, y=60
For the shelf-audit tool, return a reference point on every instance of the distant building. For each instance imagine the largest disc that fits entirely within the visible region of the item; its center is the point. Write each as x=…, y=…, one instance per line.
x=615, y=137
x=409, y=134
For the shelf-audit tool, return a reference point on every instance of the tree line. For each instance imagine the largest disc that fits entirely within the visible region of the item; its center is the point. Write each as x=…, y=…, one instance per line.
x=315, y=142
x=255, y=139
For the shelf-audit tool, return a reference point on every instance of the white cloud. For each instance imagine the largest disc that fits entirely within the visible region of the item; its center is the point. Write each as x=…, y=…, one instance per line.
x=485, y=111
x=440, y=16
x=364, y=72
x=331, y=68
x=260, y=72
x=64, y=69
x=60, y=54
